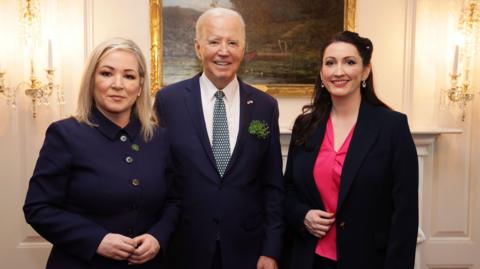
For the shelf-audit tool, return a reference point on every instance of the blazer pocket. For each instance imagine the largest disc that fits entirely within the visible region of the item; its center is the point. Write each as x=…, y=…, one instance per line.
x=253, y=222
x=381, y=240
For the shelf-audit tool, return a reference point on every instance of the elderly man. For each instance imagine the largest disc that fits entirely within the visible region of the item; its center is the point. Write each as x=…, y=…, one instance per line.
x=225, y=147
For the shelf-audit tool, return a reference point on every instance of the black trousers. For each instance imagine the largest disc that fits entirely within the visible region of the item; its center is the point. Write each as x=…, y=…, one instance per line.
x=324, y=263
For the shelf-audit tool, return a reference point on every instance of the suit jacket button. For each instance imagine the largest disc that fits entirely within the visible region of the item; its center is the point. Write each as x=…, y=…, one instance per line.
x=136, y=182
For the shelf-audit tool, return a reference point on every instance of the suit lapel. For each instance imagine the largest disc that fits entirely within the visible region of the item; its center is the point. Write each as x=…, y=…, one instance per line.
x=364, y=136
x=193, y=102
x=246, y=107
x=311, y=153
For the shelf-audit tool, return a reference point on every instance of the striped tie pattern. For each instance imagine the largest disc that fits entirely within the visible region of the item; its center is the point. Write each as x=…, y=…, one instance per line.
x=221, y=142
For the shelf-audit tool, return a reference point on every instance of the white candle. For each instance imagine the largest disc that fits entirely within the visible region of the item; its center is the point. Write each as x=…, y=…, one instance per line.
x=50, y=57
x=455, y=61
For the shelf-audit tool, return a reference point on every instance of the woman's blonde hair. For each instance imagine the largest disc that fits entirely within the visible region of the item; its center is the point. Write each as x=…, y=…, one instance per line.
x=143, y=105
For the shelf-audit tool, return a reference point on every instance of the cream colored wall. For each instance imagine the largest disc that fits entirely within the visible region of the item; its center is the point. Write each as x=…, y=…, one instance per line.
x=131, y=21
x=410, y=65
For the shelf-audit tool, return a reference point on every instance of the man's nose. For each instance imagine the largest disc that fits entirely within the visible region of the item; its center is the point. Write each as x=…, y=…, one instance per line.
x=223, y=49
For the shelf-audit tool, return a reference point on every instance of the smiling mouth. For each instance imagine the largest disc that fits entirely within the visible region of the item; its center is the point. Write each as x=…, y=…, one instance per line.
x=116, y=97
x=221, y=63
x=340, y=83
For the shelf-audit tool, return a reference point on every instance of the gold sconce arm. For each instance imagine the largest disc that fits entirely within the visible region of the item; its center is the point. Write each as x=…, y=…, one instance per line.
x=39, y=92
x=460, y=94
x=8, y=92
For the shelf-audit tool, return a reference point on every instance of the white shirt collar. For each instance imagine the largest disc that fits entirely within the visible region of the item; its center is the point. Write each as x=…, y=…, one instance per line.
x=209, y=88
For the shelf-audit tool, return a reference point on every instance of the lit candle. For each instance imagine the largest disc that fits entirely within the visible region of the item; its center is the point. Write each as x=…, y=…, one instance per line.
x=50, y=57
x=455, y=61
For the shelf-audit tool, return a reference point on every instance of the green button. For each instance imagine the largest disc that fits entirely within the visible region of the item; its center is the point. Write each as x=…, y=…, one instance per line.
x=135, y=147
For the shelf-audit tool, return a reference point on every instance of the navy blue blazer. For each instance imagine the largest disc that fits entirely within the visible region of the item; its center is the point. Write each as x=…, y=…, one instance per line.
x=244, y=208
x=377, y=211
x=90, y=181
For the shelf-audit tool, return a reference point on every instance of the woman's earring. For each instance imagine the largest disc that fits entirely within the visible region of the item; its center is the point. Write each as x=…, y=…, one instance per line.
x=364, y=84
x=321, y=85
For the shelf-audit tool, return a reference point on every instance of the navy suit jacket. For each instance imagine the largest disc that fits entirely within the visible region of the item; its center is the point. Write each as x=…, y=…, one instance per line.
x=377, y=211
x=90, y=181
x=244, y=208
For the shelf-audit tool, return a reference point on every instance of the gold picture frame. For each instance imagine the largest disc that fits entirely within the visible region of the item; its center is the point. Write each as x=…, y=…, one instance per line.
x=156, y=53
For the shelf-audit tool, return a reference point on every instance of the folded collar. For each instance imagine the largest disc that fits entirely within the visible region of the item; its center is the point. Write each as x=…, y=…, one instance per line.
x=113, y=131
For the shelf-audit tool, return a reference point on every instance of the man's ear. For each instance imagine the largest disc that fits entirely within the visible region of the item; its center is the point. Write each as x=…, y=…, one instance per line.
x=197, y=50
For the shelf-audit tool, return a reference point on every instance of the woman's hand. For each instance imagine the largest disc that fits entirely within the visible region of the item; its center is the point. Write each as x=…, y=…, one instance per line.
x=318, y=222
x=147, y=248
x=116, y=246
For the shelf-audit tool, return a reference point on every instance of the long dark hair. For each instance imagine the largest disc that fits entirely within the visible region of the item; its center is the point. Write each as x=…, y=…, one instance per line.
x=321, y=103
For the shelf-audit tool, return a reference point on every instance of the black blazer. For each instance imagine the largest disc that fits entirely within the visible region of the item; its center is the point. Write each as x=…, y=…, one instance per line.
x=377, y=211
x=90, y=181
x=244, y=209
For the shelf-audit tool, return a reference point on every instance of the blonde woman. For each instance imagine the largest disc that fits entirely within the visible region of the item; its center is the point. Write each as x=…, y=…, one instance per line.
x=100, y=191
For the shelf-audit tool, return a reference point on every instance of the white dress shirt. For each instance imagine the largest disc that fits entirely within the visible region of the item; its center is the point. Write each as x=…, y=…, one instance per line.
x=232, y=107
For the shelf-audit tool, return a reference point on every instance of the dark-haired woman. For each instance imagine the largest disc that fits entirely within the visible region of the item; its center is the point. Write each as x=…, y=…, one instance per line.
x=352, y=172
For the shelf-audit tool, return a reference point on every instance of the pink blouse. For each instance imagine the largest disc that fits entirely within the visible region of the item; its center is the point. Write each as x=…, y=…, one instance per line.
x=327, y=172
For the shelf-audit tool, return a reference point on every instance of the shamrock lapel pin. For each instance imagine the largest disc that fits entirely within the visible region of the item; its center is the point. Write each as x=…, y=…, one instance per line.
x=259, y=129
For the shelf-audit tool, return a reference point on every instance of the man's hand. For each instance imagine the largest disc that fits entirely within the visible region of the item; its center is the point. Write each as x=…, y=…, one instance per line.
x=265, y=262
x=318, y=222
x=147, y=248
x=116, y=246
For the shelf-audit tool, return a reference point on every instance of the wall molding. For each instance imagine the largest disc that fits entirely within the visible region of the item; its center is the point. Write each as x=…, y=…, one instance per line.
x=89, y=26
x=409, y=56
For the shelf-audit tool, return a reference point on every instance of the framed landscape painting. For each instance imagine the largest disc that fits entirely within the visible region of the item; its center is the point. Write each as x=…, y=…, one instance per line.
x=283, y=40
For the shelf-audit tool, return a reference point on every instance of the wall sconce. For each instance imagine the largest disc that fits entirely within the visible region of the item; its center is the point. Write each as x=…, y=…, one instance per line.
x=39, y=92
x=461, y=92
x=8, y=92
